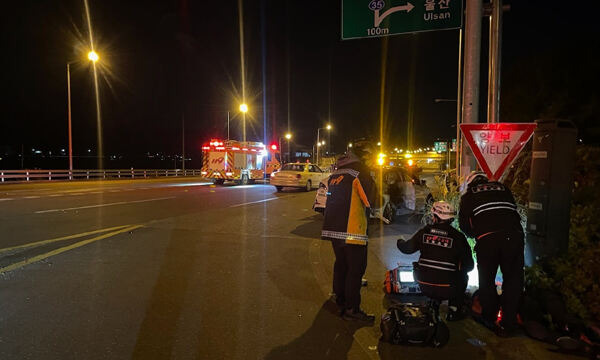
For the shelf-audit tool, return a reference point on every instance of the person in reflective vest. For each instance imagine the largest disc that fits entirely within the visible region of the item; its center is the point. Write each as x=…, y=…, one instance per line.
x=351, y=193
x=445, y=260
x=489, y=214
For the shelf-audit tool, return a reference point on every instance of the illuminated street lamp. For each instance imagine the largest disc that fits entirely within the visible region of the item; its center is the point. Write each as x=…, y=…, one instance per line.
x=243, y=109
x=93, y=57
x=288, y=136
x=328, y=127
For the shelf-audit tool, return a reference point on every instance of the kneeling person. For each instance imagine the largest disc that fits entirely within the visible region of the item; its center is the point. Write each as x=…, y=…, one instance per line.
x=445, y=259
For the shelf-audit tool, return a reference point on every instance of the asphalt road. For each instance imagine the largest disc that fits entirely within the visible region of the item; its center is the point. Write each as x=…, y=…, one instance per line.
x=181, y=269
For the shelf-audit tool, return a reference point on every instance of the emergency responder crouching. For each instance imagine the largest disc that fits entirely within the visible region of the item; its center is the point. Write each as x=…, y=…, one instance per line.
x=351, y=193
x=445, y=260
x=489, y=214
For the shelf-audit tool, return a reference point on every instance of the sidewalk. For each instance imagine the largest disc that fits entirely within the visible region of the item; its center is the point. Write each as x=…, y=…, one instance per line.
x=365, y=342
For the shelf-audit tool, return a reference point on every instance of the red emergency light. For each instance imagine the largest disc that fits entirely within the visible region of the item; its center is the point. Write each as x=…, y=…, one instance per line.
x=214, y=142
x=274, y=147
x=206, y=148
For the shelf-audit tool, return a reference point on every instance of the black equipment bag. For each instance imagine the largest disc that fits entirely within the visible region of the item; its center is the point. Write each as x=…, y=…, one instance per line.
x=411, y=324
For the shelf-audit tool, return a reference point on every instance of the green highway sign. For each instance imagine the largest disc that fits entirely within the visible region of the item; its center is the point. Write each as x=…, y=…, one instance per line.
x=440, y=146
x=376, y=18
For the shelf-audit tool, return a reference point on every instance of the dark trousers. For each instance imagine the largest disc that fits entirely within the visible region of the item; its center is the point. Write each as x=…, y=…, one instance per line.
x=507, y=251
x=348, y=270
x=458, y=300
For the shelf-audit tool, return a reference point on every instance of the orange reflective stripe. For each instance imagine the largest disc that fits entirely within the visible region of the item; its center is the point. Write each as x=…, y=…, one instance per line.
x=361, y=192
x=439, y=285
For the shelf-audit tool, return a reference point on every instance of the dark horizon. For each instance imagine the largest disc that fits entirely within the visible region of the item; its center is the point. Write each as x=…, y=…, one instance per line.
x=166, y=60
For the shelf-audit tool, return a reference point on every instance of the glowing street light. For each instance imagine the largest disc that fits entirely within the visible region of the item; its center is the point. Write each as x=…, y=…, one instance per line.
x=244, y=108
x=328, y=127
x=379, y=143
x=93, y=56
x=288, y=136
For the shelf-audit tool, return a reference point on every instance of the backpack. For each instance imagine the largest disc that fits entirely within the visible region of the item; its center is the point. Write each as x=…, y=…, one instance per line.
x=411, y=324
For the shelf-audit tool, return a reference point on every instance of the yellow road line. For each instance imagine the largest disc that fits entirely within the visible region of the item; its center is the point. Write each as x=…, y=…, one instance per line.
x=66, y=248
x=43, y=242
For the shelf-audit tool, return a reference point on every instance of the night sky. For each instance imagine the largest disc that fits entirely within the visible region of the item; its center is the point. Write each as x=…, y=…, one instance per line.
x=164, y=60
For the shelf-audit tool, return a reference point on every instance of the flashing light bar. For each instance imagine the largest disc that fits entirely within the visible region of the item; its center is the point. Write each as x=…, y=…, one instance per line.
x=220, y=148
x=252, y=149
x=245, y=149
x=273, y=147
x=228, y=174
x=206, y=148
x=235, y=148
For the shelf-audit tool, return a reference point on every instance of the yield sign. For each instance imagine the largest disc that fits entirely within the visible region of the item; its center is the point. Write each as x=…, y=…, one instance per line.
x=496, y=145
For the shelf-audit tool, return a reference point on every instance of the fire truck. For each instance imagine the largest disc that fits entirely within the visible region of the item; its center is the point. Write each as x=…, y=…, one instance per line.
x=240, y=161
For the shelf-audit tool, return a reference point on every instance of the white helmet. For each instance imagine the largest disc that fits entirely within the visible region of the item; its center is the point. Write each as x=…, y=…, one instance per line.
x=474, y=175
x=443, y=210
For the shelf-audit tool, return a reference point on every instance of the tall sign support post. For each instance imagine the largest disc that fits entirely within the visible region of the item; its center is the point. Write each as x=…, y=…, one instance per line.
x=550, y=189
x=471, y=78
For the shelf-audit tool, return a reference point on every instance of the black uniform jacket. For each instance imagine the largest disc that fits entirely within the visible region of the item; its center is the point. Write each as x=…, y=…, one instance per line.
x=350, y=195
x=487, y=208
x=445, y=254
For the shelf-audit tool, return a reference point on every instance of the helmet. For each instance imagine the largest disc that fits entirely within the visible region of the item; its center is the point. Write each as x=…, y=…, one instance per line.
x=476, y=176
x=362, y=148
x=443, y=210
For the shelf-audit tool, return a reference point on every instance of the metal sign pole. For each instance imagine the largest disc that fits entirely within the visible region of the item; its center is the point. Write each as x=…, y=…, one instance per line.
x=471, y=81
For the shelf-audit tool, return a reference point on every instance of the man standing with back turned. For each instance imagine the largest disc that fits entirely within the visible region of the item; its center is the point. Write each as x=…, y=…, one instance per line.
x=351, y=193
x=489, y=214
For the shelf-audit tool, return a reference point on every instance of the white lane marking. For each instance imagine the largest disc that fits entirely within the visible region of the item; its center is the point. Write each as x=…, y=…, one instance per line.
x=6, y=199
x=255, y=202
x=31, y=197
x=104, y=205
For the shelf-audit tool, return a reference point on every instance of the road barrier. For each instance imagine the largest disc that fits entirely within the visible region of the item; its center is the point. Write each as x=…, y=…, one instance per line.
x=39, y=175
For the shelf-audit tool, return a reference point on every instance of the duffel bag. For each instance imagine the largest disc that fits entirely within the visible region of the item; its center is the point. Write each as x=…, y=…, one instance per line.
x=410, y=324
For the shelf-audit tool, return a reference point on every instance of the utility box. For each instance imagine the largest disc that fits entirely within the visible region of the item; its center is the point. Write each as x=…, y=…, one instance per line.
x=550, y=189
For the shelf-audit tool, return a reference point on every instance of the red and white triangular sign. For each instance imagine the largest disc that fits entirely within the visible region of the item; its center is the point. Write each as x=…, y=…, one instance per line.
x=497, y=145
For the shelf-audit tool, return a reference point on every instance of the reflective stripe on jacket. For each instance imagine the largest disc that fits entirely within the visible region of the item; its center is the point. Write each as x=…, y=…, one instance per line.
x=348, y=205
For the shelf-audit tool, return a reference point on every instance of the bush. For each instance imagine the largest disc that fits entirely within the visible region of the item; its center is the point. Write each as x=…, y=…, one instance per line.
x=576, y=274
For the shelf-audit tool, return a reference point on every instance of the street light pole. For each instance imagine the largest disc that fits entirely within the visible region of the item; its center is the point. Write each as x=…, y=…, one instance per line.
x=227, y=125
x=69, y=116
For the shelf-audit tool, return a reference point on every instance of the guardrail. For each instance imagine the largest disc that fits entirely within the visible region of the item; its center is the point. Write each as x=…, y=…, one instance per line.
x=37, y=175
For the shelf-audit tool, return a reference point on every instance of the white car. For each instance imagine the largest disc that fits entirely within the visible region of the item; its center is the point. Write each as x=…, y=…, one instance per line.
x=298, y=175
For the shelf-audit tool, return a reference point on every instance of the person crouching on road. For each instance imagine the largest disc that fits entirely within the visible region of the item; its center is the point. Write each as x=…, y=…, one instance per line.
x=489, y=214
x=351, y=193
x=446, y=259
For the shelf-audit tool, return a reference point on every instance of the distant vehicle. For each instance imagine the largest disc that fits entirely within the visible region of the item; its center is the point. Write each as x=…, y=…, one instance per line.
x=406, y=189
x=402, y=189
x=298, y=175
x=238, y=161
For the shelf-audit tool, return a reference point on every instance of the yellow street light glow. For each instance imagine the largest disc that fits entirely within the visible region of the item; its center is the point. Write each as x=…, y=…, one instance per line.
x=93, y=56
x=322, y=142
x=243, y=108
x=379, y=143
x=350, y=145
x=380, y=161
x=410, y=162
x=328, y=127
x=288, y=136
x=407, y=156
